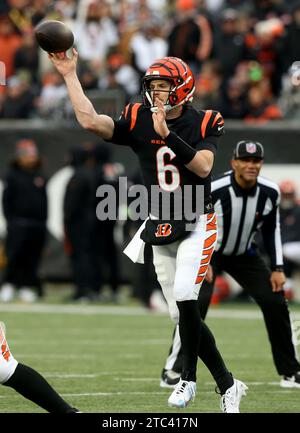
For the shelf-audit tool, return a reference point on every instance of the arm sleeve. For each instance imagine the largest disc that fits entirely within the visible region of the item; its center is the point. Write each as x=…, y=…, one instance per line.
x=209, y=143
x=272, y=238
x=124, y=125
x=121, y=132
x=212, y=129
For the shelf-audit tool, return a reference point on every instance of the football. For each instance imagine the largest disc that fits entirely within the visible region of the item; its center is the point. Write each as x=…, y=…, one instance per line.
x=54, y=36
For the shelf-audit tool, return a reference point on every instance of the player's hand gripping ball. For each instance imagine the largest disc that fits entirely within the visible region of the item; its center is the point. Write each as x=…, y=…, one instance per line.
x=54, y=36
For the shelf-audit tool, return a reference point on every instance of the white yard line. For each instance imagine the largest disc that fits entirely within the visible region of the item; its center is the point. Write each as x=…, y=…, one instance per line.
x=73, y=309
x=151, y=379
x=121, y=393
x=97, y=341
x=141, y=379
x=97, y=394
x=124, y=311
x=104, y=394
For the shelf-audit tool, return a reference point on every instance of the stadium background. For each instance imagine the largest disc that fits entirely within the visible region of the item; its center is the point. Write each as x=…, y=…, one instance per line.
x=244, y=55
x=280, y=139
x=237, y=44
x=56, y=130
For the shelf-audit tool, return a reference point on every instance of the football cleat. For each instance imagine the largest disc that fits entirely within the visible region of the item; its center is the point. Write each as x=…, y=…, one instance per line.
x=230, y=401
x=291, y=381
x=169, y=378
x=183, y=393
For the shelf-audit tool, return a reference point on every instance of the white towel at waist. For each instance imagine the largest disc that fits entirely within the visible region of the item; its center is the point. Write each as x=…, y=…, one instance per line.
x=135, y=248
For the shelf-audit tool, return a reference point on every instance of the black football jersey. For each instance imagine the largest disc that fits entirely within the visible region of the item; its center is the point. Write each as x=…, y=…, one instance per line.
x=160, y=166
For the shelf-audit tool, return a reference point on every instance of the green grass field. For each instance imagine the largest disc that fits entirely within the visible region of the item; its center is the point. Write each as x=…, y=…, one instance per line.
x=109, y=359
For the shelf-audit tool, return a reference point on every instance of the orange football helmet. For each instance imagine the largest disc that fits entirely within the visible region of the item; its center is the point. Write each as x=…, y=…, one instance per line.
x=178, y=73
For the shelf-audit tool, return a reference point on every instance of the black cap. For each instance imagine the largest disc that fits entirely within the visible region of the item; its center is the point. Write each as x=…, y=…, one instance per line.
x=248, y=148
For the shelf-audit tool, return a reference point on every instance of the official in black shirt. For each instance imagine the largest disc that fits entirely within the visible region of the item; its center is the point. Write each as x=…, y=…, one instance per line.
x=245, y=203
x=25, y=211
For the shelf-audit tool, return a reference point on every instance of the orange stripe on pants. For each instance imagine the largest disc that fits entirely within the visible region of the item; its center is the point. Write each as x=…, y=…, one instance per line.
x=208, y=247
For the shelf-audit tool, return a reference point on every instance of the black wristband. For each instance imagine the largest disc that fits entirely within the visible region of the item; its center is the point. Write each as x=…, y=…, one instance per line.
x=278, y=269
x=181, y=149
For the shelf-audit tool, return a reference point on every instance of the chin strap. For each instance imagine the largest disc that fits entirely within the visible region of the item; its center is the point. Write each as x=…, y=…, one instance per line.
x=167, y=108
x=153, y=108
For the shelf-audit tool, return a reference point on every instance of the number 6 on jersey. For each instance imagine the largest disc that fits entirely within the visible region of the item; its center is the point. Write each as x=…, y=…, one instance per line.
x=163, y=169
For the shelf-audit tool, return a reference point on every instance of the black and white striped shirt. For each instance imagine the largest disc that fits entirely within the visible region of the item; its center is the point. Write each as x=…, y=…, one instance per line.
x=241, y=213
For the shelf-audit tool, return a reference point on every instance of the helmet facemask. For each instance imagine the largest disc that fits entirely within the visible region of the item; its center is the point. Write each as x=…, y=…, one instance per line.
x=170, y=102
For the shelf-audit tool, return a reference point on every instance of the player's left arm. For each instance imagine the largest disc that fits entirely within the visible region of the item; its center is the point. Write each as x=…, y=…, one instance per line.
x=202, y=163
x=272, y=240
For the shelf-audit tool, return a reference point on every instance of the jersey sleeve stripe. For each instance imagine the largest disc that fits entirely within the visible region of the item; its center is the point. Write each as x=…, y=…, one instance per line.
x=134, y=111
x=217, y=117
x=126, y=110
x=205, y=121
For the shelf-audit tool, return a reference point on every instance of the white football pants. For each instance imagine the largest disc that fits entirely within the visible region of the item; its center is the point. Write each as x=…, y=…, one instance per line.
x=181, y=266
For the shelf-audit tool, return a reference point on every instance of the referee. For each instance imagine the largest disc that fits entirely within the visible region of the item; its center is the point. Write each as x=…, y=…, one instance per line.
x=244, y=203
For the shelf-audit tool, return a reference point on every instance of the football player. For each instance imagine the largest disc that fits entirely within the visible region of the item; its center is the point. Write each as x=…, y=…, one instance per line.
x=28, y=382
x=176, y=146
x=246, y=204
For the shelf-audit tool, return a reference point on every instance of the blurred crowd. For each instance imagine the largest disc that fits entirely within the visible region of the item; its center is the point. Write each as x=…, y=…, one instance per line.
x=241, y=52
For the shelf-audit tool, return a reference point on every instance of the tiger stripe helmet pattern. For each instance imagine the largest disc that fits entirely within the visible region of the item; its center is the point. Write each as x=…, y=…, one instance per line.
x=178, y=73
